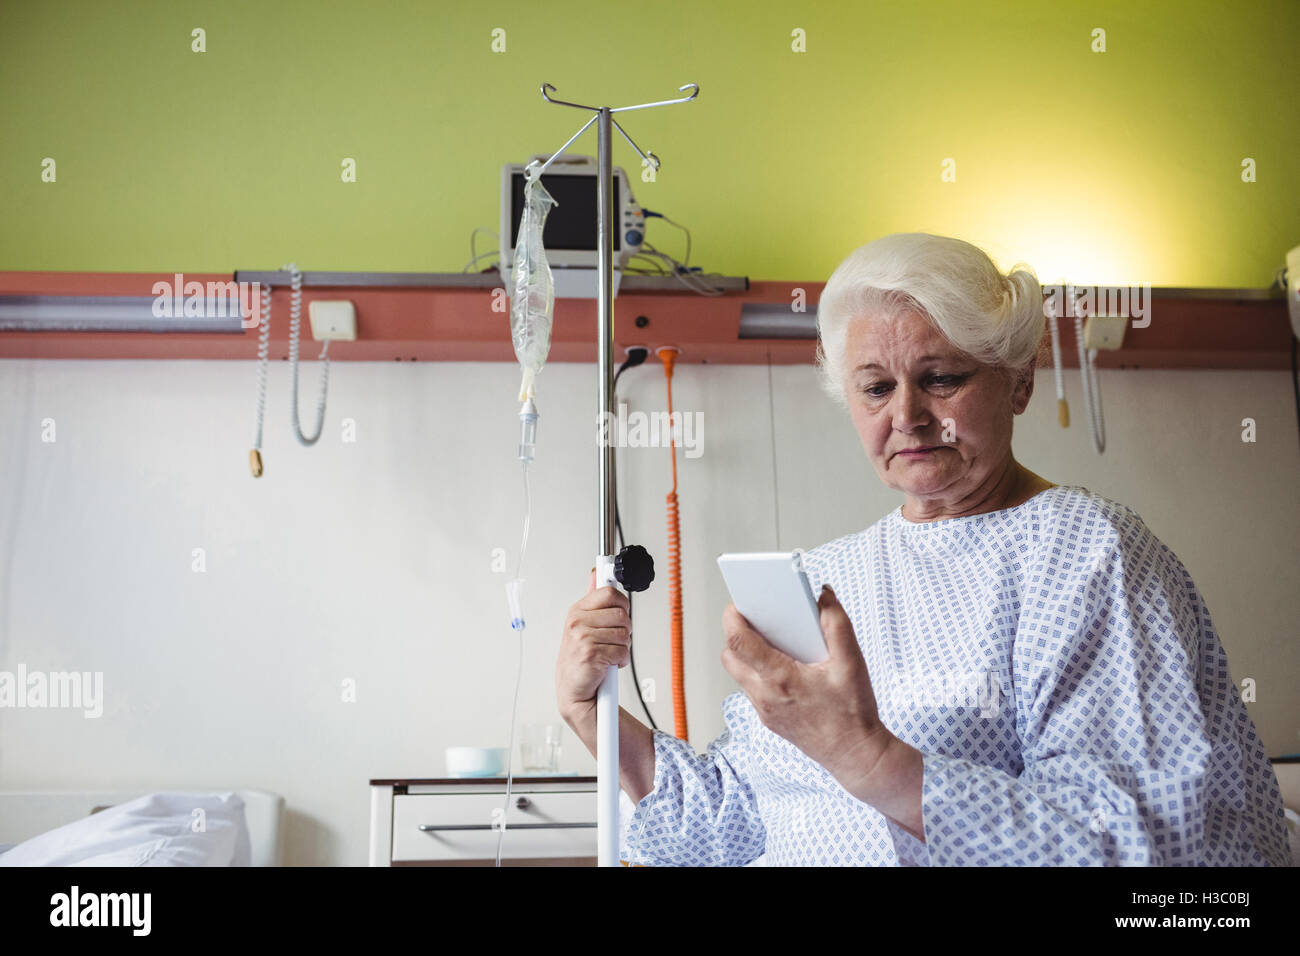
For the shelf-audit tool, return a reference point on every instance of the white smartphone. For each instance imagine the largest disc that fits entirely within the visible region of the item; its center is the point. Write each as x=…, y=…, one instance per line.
x=771, y=589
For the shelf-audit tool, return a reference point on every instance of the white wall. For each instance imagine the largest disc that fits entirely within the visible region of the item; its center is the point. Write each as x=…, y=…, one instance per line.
x=372, y=561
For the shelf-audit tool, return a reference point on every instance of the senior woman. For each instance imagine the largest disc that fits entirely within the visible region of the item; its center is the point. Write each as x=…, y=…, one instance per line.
x=1020, y=672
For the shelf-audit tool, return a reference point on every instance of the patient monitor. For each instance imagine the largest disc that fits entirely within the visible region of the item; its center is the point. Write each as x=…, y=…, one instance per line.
x=570, y=235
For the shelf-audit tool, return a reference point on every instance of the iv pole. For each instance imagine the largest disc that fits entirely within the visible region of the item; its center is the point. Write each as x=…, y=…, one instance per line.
x=609, y=568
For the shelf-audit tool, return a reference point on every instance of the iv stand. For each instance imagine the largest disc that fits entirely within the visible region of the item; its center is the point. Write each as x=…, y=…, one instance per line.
x=609, y=568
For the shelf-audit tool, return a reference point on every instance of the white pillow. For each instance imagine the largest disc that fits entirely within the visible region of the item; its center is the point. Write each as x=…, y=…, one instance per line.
x=157, y=829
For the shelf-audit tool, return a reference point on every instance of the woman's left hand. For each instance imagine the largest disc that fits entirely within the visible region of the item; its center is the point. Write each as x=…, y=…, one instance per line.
x=828, y=709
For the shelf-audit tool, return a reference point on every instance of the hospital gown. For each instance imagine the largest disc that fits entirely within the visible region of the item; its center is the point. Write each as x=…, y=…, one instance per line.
x=1058, y=671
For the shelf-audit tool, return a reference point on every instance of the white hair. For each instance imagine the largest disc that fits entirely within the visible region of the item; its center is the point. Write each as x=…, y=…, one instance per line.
x=996, y=319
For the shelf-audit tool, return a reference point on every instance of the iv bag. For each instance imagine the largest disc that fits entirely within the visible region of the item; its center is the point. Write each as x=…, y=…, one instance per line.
x=532, y=303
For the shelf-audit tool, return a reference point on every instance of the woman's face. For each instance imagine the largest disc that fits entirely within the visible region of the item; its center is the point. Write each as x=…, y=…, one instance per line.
x=935, y=422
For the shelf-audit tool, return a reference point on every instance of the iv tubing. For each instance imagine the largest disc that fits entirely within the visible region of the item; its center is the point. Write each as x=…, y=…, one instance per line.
x=517, y=624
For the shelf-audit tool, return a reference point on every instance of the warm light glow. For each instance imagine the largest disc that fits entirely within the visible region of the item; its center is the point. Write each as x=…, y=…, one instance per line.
x=1085, y=232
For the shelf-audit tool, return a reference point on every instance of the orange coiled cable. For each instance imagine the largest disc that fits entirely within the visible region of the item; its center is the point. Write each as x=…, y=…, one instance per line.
x=669, y=357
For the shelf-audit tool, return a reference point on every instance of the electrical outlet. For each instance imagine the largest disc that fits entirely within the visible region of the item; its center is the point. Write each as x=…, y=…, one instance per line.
x=1104, y=331
x=333, y=320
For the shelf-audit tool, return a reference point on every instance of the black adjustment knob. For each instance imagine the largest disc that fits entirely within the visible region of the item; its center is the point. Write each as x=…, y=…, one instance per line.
x=634, y=568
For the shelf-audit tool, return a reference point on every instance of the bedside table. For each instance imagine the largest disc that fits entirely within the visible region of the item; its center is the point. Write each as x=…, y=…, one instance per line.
x=551, y=821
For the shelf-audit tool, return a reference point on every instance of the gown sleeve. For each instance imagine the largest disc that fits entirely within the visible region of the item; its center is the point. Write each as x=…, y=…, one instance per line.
x=702, y=811
x=1125, y=761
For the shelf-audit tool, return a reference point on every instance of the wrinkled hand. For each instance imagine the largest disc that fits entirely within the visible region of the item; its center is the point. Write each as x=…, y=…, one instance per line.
x=597, y=636
x=828, y=709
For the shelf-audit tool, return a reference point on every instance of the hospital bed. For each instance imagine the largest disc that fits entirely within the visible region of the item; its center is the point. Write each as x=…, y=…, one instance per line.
x=70, y=822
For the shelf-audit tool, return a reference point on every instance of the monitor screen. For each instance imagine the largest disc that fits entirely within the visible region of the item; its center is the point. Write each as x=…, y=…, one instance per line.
x=571, y=223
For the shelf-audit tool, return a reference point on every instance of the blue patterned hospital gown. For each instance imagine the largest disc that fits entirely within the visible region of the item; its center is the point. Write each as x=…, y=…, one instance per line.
x=1058, y=670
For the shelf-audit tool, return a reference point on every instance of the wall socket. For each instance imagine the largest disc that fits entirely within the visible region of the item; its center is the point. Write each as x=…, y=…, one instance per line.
x=333, y=320
x=1104, y=331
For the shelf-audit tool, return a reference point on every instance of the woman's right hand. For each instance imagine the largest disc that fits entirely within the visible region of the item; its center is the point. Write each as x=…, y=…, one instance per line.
x=597, y=634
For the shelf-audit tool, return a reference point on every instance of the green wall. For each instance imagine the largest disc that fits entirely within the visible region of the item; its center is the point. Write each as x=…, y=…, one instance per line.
x=1123, y=166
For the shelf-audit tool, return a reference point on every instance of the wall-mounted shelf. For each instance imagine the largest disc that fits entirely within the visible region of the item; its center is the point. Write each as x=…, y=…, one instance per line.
x=450, y=317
